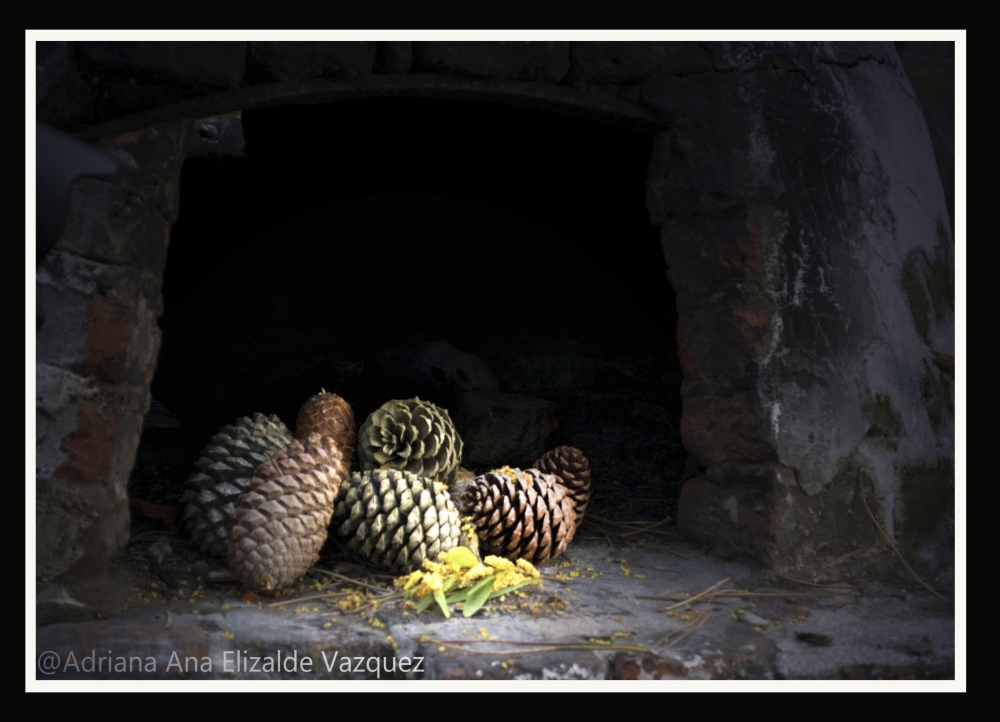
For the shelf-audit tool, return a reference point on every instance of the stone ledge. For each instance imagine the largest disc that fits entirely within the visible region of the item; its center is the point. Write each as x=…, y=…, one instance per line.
x=593, y=598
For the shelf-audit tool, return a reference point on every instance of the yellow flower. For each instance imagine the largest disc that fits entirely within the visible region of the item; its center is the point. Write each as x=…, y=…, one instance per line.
x=412, y=580
x=499, y=563
x=528, y=568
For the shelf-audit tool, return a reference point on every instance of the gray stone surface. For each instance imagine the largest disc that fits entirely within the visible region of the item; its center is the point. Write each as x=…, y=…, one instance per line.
x=276, y=61
x=97, y=340
x=589, y=601
x=803, y=185
x=626, y=61
x=546, y=62
x=198, y=64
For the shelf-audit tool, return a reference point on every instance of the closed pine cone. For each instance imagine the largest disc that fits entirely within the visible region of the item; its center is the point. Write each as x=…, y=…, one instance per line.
x=329, y=415
x=282, y=516
x=520, y=514
x=571, y=467
x=224, y=468
x=396, y=519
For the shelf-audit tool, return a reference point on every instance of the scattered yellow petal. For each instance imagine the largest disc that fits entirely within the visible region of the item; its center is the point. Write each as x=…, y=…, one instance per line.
x=228, y=635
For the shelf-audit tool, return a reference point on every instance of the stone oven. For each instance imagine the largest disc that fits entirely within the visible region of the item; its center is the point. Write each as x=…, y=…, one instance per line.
x=759, y=352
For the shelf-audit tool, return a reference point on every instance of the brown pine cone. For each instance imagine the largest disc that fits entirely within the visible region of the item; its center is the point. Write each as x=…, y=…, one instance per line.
x=282, y=515
x=224, y=468
x=329, y=415
x=520, y=514
x=571, y=467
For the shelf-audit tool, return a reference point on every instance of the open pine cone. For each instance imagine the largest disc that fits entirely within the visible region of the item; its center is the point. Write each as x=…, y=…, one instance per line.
x=224, y=468
x=329, y=415
x=571, y=467
x=282, y=516
x=396, y=519
x=411, y=435
x=520, y=514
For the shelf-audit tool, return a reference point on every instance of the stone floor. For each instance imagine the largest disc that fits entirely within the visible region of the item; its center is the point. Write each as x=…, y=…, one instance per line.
x=588, y=620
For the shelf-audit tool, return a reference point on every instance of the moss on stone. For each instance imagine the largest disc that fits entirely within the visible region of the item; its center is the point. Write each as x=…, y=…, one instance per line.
x=886, y=424
x=929, y=286
x=917, y=296
x=926, y=496
x=938, y=398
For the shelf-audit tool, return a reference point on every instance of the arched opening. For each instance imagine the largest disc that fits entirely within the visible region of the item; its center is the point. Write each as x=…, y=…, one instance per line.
x=353, y=235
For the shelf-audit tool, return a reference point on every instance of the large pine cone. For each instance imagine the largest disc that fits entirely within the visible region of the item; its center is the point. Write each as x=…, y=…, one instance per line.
x=396, y=519
x=571, y=467
x=520, y=514
x=224, y=468
x=282, y=516
x=329, y=415
x=411, y=435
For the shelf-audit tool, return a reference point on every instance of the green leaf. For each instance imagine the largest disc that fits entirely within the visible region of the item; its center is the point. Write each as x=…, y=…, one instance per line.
x=424, y=603
x=508, y=590
x=448, y=584
x=442, y=602
x=462, y=556
x=477, y=597
x=458, y=596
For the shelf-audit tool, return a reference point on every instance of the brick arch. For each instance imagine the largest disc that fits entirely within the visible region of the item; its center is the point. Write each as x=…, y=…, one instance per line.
x=777, y=175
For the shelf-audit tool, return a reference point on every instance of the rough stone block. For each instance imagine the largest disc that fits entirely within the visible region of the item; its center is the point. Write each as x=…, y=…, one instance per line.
x=88, y=436
x=716, y=429
x=108, y=225
x=722, y=341
x=545, y=62
x=924, y=515
x=149, y=164
x=729, y=135
x=629, y=60
x=201, y=65
x=109, y=333
x=710, y=252
x=759, y=512
x=277, y=61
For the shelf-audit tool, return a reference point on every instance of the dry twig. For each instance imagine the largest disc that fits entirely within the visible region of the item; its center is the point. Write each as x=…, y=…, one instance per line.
x=885, y=536
x=348, y=580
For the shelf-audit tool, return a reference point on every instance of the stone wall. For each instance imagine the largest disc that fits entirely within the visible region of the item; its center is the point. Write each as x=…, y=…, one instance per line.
x=802, y=218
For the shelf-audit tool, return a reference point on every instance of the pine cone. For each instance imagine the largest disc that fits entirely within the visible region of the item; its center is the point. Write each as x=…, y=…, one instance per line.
x=282, y=515
x=570, y=466
x=224, y=468
x=520, y=514
x=396, y=519
x=329, y=415
x=411, y=435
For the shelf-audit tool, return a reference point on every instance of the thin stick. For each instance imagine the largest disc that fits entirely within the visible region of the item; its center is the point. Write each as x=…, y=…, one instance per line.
x=306, y=599
x=683, y=632
x=697, y=596
x=849, y=554
x=822, y=586
x=891, y=546
x=739, y=593
x=639, y=531
x=556, y=646
x=349, y=580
